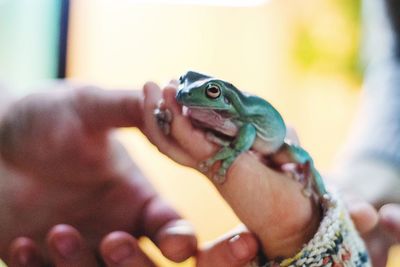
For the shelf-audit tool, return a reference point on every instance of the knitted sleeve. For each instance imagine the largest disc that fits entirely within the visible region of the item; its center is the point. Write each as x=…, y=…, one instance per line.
x=336, y=244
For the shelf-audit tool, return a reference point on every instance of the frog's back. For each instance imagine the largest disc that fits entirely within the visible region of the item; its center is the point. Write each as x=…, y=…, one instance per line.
x=271, y=129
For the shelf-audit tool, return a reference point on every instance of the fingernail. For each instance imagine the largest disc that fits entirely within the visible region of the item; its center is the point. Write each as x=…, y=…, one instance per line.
x=239, y=247
x=67, y=246
x=121, y=253
x=180, y=227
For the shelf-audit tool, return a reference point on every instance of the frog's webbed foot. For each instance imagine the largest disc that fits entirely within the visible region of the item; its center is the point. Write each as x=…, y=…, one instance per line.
x=219, y=177
x=206, y=165
x=231, y=150
x=227, y=155
x=163, y=117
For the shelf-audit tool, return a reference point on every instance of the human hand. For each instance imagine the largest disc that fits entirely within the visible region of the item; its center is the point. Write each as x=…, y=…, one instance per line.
x=385, y=235
x=62, y=165
x=269, y=203
x=377, y=182
x=120, y=249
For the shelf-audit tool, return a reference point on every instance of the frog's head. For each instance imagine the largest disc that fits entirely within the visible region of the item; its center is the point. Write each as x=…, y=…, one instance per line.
x=198, y=90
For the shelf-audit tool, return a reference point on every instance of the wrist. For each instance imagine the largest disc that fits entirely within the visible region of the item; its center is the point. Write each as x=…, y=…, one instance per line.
x=295, y=229
x=272, y=205
x=336, y=243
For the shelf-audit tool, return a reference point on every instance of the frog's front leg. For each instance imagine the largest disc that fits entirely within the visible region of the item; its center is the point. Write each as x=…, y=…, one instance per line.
x=243, y=142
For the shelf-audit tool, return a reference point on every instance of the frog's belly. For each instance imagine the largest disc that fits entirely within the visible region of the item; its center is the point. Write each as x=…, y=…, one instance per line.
x=222, y=123
x=210, y=119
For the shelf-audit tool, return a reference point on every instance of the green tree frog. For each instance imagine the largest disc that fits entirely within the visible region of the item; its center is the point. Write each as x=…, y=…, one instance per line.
x=240, y=122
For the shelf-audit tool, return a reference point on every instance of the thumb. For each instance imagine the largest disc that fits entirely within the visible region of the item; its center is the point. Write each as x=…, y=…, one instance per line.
x=103, y=109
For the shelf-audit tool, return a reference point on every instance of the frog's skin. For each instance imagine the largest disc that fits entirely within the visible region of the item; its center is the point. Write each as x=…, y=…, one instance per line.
x=240, y=122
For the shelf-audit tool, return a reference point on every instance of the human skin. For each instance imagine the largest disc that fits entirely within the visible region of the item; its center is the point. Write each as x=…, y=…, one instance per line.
x=234, y=249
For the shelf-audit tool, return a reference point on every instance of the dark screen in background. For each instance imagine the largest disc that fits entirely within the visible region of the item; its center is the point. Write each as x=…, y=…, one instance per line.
x=32, y=41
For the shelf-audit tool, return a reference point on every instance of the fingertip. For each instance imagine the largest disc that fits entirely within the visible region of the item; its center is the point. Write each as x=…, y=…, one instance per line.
x=364, y=216
x=24, y=252
x=64, y=242
x=390, y=219
x=243, y=247
x=150, y=87
x=117, y=247
x=236, y=250
x=177, y=241
x=121, y=249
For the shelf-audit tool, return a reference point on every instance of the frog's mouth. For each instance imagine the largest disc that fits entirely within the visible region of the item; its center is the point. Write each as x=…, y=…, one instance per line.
x=218, y=121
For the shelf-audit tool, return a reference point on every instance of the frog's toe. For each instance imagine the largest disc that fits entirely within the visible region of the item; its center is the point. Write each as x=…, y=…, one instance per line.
x=219, y=178
x=203, y=166
x=222, y=172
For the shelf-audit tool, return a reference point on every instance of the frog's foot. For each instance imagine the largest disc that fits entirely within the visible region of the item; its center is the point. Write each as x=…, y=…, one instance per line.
x=163, y=117
x=203, y=167
x=219, y=178
x=206, y=165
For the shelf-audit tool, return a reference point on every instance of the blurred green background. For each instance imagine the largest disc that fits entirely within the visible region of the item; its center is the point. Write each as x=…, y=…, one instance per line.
x=29, y=35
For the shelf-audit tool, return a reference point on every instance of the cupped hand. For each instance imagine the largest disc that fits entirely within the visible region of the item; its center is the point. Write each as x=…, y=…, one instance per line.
x=61, y=164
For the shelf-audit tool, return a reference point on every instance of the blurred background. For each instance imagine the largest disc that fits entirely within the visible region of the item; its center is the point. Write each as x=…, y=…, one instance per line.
x=301, y=55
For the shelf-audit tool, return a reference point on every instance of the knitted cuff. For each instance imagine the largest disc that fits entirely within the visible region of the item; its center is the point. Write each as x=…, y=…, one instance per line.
x=336, y=243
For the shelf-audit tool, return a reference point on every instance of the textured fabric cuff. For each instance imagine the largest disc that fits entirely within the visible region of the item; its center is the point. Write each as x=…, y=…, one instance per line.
x=336, y=243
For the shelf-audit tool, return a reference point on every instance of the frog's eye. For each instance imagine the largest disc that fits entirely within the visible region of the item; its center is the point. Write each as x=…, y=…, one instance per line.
x=213, y=91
